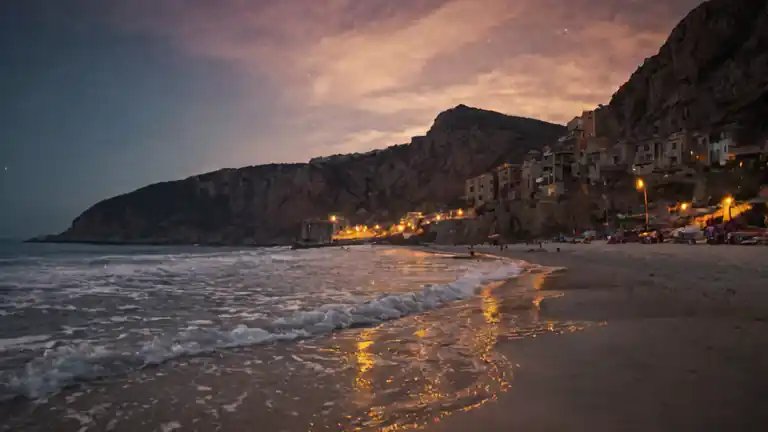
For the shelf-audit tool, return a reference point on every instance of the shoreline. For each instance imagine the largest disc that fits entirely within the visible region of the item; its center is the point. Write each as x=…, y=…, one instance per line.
x=313, y=369
x=682, y=346
x=615, y=337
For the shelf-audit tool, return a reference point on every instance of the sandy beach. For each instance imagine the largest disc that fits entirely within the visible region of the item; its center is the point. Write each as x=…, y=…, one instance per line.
x=626, y=337
x=682, y=346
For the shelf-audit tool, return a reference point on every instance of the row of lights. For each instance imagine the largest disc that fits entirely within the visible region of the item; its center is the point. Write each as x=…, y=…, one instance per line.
x=399, y=228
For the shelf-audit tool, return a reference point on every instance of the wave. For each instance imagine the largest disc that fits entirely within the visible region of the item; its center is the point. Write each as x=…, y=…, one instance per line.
x=63, y=366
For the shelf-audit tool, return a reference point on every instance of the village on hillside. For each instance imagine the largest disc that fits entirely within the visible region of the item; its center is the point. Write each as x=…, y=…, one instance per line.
x=587, y=185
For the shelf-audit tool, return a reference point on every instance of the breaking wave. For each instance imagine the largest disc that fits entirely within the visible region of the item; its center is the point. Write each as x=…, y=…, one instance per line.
x=69, y=364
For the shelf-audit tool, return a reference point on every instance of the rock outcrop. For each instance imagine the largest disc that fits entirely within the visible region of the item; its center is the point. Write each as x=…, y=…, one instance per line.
x=264, y=205
x=713, y=70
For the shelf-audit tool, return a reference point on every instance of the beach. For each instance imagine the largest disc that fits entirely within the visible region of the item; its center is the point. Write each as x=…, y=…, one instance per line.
x=595, y=337
x=682, y=344
x=369, y=338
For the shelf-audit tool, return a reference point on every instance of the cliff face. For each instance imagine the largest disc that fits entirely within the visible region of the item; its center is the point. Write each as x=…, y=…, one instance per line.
x=265, y=204
x=712, y=70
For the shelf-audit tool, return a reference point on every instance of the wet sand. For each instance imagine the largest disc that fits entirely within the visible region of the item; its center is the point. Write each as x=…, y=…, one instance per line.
x=684, y=345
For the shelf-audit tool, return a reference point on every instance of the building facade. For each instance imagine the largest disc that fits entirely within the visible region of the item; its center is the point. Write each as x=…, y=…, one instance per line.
x=674, y=151
x=589, y=124
x=575, y=124
x=556, y=168
x=530, y=173
x=481, y=189
x=318, y=231
x=720, y=145
x=648, y=154
x=509, y=180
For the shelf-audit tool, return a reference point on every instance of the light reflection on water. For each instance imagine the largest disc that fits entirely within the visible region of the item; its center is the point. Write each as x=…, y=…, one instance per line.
x=419, y=370
x=399, y=375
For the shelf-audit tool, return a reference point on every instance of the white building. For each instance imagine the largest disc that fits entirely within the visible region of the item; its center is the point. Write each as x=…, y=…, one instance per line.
x=720, y=145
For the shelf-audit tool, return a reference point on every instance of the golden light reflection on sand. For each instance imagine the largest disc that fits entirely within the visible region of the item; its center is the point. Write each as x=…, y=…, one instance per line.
x=421, y=369
x=364, y=358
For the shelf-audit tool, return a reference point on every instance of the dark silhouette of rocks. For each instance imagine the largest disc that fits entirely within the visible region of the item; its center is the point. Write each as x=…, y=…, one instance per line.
x=264, y=205
x=712, y=71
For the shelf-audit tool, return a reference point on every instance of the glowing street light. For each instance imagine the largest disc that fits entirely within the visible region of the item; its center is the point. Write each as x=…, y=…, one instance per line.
x=333, y=218
x=377, y=227
x=641, y=186
x=460, y=212
x=684, y=206
x=727, y=203
x=401, y=228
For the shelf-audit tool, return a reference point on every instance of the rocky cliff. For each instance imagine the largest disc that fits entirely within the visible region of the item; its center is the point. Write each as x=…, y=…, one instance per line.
x=265, y=204
x=713, y=70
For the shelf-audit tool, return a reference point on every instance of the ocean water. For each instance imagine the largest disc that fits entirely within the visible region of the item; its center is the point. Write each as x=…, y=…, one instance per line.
x=76, y=319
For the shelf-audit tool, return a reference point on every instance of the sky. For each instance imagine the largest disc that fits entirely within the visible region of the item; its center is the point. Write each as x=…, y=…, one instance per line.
x=101, y=97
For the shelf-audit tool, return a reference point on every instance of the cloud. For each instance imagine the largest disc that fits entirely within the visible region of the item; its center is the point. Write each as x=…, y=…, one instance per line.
x=342, y=63
x=392, y=54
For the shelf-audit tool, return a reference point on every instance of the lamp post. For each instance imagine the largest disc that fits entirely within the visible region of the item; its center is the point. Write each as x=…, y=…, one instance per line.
x=641, y=186
x=727, y=202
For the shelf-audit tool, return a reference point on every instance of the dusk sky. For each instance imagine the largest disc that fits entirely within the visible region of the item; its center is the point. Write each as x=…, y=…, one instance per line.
x=101, y=97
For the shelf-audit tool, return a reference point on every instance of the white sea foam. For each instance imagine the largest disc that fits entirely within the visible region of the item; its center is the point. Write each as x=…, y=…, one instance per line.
x=64, y=365
x=130, y=311
x=22, y=342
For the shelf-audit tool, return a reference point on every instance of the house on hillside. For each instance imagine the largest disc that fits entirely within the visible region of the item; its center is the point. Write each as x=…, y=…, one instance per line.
x=700, y=148
x=480, y=189
x=556, y=169
x=575, y=124
x=721, y=143
x=509, y=178
x=530, y=173
x=589, y=123
x=749, y=154
x=596, y=156
x=648, y=153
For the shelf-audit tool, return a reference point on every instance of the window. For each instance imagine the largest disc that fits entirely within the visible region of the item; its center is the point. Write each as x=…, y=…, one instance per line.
x=674, y=146
x=673, y=160
x=479, y=197
x=471, y=189
x=646, y=147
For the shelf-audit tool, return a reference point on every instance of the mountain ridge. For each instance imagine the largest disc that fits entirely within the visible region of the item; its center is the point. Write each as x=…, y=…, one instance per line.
x=711, y=71
x=264, y=204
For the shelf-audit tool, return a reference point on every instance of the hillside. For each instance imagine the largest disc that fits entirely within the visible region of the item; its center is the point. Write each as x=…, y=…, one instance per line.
x=265, y=204
x=712, y=70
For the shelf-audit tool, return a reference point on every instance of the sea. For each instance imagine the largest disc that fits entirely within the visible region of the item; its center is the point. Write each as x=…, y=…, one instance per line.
x=196, y=338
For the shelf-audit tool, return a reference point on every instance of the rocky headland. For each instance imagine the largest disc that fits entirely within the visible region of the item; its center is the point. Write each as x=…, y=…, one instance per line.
x=712, y=71
x=264, y=205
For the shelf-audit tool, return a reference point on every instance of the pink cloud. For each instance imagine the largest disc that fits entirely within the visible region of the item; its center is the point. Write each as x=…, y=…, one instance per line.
x=548, y=59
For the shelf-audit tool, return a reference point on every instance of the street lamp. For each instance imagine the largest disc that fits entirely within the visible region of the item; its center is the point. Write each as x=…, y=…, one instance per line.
x=641, y=186
x=684, y=206
x=727, y=202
